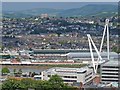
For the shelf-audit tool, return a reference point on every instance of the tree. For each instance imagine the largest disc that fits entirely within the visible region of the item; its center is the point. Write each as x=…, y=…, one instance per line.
x=14, y=71
x=55, y=79
x=30, y=74
x=42, y=85
x=56, y=82
x=33, y=74
x=28, y=83
x=116, y=49
x=5, y=70
x=12, y=84
x=1, y=47
x=20, y=72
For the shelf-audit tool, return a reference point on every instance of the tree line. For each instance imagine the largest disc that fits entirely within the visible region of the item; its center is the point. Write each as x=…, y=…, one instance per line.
x=54, y=83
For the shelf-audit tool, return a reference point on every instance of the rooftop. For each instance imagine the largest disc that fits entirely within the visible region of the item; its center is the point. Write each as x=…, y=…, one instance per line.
x=88, y=54
x=61, y=69
x=111, y=63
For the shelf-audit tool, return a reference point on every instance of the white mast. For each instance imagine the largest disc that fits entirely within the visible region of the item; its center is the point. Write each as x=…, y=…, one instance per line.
x=105, y=27
x=91, y=52
x=107, y=22
x=98, y=52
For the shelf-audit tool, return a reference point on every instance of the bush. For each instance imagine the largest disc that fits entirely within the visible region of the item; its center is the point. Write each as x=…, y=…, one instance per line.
x=5, y=70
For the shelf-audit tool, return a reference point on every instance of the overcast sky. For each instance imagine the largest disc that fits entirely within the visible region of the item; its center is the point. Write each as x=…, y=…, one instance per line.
x=59, y=0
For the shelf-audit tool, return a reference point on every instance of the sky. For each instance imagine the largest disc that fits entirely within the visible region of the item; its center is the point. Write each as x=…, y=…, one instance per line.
x=59, y=0
x=18, y=6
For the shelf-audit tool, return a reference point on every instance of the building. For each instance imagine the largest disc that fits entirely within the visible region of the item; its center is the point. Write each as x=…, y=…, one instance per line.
x=109, y=72
x=81, y=56
x=38, y=77
x=86, y=56
x=44, y=15
x=71, y=75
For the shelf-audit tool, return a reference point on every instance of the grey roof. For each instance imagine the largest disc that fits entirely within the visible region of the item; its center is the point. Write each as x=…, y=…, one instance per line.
x=82, y=69
x=57, y=51
x=87, y=54
x=111, y=63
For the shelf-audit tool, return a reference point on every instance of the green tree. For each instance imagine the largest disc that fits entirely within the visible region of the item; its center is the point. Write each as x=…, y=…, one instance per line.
x=12, y=84
x=28, y=83
x=20, y=71
x=42, y=85
x=1, y=47
x=14, y=71
x=116, y=49
x=56, y=82
x=5, y=70
x=55, y=79
x=33, y=74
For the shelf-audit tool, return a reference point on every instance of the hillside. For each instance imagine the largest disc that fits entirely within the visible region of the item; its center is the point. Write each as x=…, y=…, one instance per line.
x=101, y=10
x=90, y=10
x=32, y=12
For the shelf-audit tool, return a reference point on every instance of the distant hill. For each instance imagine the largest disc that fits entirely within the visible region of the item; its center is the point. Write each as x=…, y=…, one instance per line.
x=32, y=12
x=39, y=11
x=88, y=10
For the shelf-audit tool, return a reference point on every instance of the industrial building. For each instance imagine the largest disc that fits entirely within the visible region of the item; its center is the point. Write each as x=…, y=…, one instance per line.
x=70, y=75
x=110, y=72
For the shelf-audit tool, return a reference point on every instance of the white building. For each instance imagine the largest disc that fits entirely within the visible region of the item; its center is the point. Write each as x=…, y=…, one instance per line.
x=109, y=72
x=70, y=75
x=38, y=77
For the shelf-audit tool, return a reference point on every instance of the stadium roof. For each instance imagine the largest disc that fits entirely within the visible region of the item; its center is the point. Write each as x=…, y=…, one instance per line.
x=111, y=63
